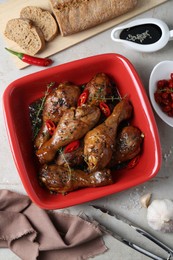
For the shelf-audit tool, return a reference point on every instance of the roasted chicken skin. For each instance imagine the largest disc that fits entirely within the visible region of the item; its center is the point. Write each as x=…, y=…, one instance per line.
x=59, y=100
x=99, y=86
x=128, y=145
x=63, y=179
x=100, y=141
x=73, y=125
x=73, y=159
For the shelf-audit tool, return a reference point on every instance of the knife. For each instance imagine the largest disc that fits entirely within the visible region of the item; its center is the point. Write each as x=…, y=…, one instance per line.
x=140, y=231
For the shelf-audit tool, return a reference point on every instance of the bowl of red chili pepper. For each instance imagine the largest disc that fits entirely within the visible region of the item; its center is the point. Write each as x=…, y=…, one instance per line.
x=20, y=94
x=161, y=90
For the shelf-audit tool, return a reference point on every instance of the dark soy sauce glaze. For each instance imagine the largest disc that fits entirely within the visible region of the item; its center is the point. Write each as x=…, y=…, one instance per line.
x=142, y=34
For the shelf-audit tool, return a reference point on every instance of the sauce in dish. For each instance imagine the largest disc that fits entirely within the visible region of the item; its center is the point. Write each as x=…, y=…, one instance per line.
x=142, y=34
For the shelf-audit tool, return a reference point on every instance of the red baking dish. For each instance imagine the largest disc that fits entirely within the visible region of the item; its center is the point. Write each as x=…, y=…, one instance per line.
x=22, y=92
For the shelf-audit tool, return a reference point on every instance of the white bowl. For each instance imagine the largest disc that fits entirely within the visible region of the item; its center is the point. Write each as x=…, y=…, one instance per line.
x=161, y=71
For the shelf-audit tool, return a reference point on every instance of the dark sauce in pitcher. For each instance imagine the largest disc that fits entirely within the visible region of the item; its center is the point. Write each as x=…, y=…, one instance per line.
x=142, y=34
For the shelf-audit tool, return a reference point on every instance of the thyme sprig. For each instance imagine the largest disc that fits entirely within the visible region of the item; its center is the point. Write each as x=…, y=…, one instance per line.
x=168, y=90
x=66, y=162
x=103, y=98
x=36, y=120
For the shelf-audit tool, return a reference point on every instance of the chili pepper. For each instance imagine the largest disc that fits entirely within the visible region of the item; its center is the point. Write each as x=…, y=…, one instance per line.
x=105, y=109
x=83, y=97
x=51, y=126
x=72, y=146
x=133, y=162
x=31, y=59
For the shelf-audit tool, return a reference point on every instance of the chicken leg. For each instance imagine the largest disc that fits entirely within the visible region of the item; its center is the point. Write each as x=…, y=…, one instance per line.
x=99, y=142
x=63, y=179
x=73, y=125
x=128, y=145
x=59, y=99
x=98, y=88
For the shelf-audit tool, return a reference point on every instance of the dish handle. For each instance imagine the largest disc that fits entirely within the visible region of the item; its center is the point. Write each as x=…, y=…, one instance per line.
x=171, y=35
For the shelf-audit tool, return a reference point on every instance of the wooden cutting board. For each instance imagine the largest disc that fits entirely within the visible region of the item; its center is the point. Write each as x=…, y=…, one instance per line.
x=11, y=9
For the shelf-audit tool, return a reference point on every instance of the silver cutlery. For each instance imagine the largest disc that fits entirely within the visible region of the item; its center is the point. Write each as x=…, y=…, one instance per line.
x=140, y=231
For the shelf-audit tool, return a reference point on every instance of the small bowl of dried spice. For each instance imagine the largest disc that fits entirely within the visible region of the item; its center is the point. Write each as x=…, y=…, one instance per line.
x=161, y=90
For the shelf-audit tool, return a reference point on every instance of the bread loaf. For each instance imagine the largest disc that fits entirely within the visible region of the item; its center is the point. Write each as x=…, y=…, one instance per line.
x=25, y=34
x=77, y=15
x=42, y=19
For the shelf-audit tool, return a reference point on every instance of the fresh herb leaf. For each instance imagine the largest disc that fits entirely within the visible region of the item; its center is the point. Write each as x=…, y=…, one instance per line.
x=36, y=110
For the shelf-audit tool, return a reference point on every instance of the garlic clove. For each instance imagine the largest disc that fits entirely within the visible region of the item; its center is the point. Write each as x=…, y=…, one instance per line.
x=160, y=215
x=145, y=200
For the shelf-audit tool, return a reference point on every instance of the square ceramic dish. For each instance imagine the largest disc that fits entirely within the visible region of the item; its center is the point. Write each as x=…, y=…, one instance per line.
x=22, y=92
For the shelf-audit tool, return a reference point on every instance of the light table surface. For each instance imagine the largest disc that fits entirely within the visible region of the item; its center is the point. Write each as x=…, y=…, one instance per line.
x=126, y=202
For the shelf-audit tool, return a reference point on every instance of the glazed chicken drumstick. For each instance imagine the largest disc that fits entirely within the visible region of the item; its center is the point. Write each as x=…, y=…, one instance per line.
x=73, y=125
x=100, y=141
x=98, y=87
x=62, y=179
x=128, y=145
x=59, y=99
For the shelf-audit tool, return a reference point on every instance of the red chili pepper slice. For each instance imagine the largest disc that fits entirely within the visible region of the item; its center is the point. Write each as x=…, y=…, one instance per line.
x=105, y=109
x=51, y=126
x=83, y=97
x=133, y=162
x=72, y=146
x=31, y=59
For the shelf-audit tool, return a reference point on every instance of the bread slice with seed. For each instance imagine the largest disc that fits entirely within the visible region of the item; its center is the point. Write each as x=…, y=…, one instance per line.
x=42, y=19
x=25, y=34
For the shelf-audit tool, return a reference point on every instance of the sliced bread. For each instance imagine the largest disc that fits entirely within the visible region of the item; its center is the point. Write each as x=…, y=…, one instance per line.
x=42, y=19
x=25, y=34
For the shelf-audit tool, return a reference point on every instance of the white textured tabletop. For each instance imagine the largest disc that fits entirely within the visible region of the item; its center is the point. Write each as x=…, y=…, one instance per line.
x=126, y=202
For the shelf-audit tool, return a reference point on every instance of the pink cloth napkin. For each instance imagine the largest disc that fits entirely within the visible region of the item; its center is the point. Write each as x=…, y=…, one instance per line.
x=33, y=233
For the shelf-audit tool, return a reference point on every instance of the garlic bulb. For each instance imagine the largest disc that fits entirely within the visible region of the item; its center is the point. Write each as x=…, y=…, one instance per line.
x=145, y=200
x=160, y=215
